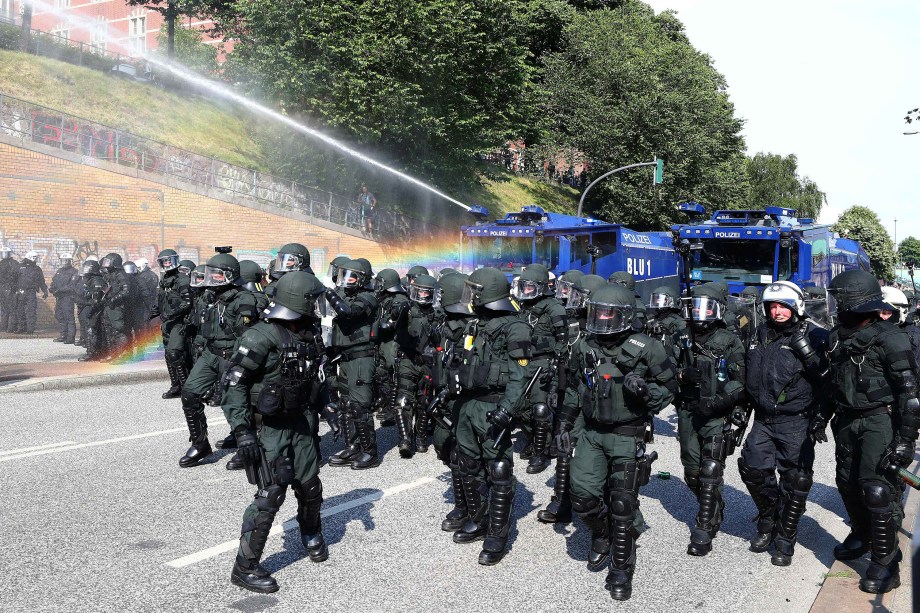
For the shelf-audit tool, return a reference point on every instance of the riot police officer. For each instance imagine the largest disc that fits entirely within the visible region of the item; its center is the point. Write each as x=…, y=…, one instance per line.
x=711, y=381
x=666, y=325
x=227, y=315
x=353, y=338
x=816, y=307
x=412, y=273
x=277, y=365
x=564, y=284
x=391, y=294
x=627, y=378
x=786, y=385
x=186, y=267
x=9, y=273
x=149, y=282
x=333, y=271
x=114, y=317
x=876, y=419
x=174, y=303
x=292, y=256
x=30, y=280
x=547, y=319
x=135, y=305
x=252, y=278
x=570, y=421
x=64, y=287
x=901, y=316
x=491, y=375
x=91, y=307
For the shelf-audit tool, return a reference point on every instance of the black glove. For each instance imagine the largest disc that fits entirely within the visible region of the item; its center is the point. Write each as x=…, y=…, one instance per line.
x=247, y=445
x=717, y=405
x=563, y=442
x=903, y=454
x=690, y=375
x=739, y=417
x=816, y=429
x=636, y=386
x=331, y=415
x=501, y=420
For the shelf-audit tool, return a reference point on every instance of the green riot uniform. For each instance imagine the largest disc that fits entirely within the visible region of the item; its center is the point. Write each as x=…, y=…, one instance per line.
x=114, y=319
x=625, y=378
x=392, y=296
x=224, y=321
x=547, y=320
x=275, y=372
x=174, y=303
x=874, y=386
x=667, y=328
x=354, y=334
x=91, y=311
x=711, y=383
x=491, y=375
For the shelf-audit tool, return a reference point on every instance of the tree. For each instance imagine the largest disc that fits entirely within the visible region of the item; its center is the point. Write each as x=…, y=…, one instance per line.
x=26, y=34
x=862, y=224
x=775, y=182
x=190, y=50
x=629, y=86
x=170, y=10
x=422, y=84
x=909, y=251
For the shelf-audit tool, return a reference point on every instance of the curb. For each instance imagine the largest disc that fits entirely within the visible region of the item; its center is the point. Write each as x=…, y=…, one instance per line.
x=840, y=591
x=79, y=381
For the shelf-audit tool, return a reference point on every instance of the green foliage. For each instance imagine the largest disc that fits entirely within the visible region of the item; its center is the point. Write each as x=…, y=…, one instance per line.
x=775, y=182
x=909, y=251
x=191, y=51
x=419, y=83
x=628, y=86
x=862, y=224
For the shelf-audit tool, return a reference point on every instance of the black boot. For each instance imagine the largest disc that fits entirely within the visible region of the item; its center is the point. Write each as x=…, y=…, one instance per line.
x=178, y=373
x=309, y=501
x=853, y=547
x=559, y=510
x=496, y=542
x=796, y=487
x=477, y=524
x=709, y=516
x=247, y=572
x=198, y=436
x=539, y=461
x=883, y=574
x=236, y=463
x=404, y=427
x=59, y=339
x=762, y=487
x=345, y=457
x=369, y=457
x=252, y=577
x=856, y=544
x=459, y=514
x=622, y=558
x=595, y=515
x=421, y=429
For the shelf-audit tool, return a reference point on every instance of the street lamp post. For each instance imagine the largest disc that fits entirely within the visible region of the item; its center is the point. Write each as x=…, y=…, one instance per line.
x=654, y=162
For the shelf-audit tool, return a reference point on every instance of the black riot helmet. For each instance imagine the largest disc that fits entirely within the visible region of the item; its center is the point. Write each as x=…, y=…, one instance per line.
x=449, y=294
x=565, y=282
x=292, y=256
x=532, y=284
x=487, y=288
x=222, y=271
x=197, y=277
x=857, y=291
x=414, y=272
x=334, y=266
x=446, y=271
x=168, y=260
x=298, y=294
x=610, y=310
x=186, y=267
x=89, y=268
x=387, y=282
x=251, y=276
x=112, y=262
x=623, y=278
x=664, y=299
x=130, y=267
x=706, y=305
x=581, y=290
x=353, y=275
x=422, y=291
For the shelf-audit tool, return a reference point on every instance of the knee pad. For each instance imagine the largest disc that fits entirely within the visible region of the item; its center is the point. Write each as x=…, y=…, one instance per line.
x=466, y=465
x=175, y=355
x=501, y=471
x=283, y=468
x=623, y=504
x=541, y=412
x=751, y=475
x=311, y=490
x=587, y=505
x=190, y=399
x=876, y=496
x=710, y=471
x=692, y=480
x=798, y=481
x=273, y=498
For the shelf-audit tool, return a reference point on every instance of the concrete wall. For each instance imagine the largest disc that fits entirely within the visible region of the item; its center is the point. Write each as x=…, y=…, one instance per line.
x=59, y=202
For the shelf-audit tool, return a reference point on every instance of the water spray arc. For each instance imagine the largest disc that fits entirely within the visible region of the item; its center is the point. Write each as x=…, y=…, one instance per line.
x=224, y=92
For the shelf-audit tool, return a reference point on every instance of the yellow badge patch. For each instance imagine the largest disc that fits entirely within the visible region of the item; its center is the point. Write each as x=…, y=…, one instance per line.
x=522, y=362
x=246, y=319
x=468, y=342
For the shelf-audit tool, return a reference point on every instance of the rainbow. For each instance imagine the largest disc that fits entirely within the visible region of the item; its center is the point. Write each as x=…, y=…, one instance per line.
x=145, y=348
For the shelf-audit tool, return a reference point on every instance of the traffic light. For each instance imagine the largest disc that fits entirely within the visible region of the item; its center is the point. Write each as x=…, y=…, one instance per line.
x=659, y=172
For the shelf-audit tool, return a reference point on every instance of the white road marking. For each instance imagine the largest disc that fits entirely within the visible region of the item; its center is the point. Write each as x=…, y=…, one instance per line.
x=71, y=447
x=37, y=447
x=290, y=524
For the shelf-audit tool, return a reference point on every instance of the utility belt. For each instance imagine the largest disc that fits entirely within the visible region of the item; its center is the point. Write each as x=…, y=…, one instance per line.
x=634, y=428
x=863, y=413
x=774, y=417
x=348, y=356
x=222, y=352
x=543, y=360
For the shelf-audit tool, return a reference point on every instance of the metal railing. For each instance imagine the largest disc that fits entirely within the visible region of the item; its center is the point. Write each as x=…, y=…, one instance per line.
x=66, y=132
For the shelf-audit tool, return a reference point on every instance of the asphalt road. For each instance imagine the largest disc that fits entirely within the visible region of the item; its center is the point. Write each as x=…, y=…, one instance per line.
x=98, y=516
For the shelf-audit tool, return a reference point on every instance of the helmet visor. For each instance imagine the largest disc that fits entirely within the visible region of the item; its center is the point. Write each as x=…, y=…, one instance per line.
x=349, y=279
x=130, y=268
x=216, y=277
x=608, y=318
x=421, y=294
x=562, y=289
x=577, y=299
x=661, y=301
x=702, y=308
x=286, y=262
x=471, y=294
x=197, y=278
x=107, y=263
x=87, y=267
x=523, y=289
x=168, y=262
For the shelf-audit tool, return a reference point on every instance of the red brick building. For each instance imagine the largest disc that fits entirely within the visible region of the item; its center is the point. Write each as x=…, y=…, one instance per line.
x=111, y=24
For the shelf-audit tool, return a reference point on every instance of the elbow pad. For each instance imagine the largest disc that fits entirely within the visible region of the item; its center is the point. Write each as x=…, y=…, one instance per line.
x=338, y=305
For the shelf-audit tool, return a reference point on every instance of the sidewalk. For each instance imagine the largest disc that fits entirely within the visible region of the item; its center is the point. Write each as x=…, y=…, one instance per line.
x=840, y=592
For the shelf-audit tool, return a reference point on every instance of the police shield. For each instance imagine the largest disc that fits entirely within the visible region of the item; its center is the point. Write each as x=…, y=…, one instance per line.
x=749, y=312
x=821, y=311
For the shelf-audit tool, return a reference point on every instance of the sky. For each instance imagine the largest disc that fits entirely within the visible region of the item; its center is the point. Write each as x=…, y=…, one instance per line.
x=831, y=82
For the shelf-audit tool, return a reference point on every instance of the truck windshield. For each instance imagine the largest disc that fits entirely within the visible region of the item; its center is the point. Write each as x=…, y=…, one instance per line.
x=511, y=254
x=750, y=261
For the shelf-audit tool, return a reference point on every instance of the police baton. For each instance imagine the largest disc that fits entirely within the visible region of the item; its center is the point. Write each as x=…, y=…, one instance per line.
x=900, y=473
x=524, y=395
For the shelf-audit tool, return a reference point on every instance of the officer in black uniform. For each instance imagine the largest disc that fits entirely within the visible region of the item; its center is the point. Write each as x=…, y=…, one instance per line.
x=173, y=306
x=786, y=384
x=902, y=316
x=114, y=317
x=876, y=421
x=64, y=286
x=665, y=324
x=29, y=281
x=9, y=273
x=91, y=307
x=252, y=277
x=391, y=294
